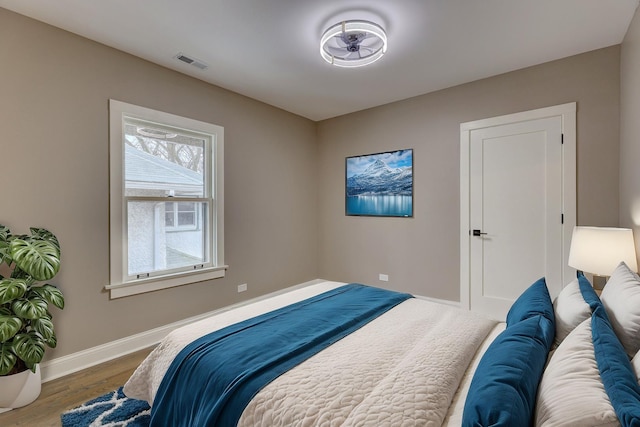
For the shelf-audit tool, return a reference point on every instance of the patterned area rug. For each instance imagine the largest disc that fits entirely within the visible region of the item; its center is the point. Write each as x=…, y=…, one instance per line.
x=112, y=409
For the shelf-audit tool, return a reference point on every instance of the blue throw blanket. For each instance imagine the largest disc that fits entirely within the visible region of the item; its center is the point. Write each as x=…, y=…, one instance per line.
x=213, y=379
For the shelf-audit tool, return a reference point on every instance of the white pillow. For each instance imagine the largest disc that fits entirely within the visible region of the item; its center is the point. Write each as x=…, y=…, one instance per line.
x=635, y=364
x=571, y=392
x=621, y=299
x=570, y=310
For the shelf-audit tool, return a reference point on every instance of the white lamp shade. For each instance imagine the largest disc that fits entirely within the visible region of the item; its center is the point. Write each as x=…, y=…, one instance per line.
x=599, y=250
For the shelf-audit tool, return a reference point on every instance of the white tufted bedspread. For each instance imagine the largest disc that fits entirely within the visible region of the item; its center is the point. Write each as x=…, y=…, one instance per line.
x=380, y=375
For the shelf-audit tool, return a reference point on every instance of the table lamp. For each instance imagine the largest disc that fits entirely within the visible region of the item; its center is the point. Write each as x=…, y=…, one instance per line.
x=599, y=250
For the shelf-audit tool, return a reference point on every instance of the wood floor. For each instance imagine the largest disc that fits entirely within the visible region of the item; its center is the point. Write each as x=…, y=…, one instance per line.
x=68, y=392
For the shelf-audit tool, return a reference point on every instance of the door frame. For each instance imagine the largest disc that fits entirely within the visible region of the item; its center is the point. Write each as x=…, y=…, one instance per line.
x=567, y=112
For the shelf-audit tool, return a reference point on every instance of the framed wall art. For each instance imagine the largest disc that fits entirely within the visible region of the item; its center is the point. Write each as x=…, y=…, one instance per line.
x=380, y=184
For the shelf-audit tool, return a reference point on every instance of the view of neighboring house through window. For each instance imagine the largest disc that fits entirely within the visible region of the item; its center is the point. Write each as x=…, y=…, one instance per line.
x=169, y=197
x=180, y=216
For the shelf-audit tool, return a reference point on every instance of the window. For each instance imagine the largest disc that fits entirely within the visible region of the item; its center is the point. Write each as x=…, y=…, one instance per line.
x=166, y=200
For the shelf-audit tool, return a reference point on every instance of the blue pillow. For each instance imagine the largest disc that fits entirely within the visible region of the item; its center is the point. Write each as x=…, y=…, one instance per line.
x=504, y=386
x=615, y=369
x=588, y=293
x=535, y=300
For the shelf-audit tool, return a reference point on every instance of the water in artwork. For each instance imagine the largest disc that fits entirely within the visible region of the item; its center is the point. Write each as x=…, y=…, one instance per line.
x=380, y=205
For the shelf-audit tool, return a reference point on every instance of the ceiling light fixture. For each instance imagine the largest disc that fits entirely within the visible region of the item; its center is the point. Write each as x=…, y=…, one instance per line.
x=353, y=44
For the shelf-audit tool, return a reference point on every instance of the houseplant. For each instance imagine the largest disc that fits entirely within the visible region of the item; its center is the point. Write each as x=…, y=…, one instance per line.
x=26, y=326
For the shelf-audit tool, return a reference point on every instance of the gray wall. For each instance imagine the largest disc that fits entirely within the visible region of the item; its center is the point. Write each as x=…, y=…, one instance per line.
x=54, y=92
x=421, y=254
x=630, y=129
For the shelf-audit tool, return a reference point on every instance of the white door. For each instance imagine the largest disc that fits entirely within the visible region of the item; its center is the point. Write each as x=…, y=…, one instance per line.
x=516, y=211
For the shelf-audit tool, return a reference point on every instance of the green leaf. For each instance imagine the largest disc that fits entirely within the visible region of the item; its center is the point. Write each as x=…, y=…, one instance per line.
x=4, y=252
x=4, y=232
x=5, y=240
x=38, y=257
x=43, y=326
x=11, y=289
x=52, y=342
x=7, y=358
x=9, y=327
x=50, y=293
x=29, y=347
x=33, y=308
x=46, y=235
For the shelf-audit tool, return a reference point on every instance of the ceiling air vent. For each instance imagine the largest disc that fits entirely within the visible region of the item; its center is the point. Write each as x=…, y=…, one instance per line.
x=191, y=61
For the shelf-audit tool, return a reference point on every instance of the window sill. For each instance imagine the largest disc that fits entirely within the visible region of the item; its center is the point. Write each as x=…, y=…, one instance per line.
x=157, y=283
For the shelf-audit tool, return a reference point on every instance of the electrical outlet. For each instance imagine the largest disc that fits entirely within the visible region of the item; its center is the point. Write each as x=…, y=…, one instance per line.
x=242, y=288
x=383, y=277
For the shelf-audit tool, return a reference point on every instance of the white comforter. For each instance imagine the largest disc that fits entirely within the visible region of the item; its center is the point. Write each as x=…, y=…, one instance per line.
x=402, y=368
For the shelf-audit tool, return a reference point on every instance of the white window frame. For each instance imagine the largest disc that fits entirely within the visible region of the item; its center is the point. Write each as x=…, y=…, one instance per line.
x=119, y=284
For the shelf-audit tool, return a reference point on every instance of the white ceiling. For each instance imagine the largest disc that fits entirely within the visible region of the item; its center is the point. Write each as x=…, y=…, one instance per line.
x=269, y=49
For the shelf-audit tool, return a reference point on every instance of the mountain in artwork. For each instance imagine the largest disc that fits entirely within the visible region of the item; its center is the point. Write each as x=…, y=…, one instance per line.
x=378, y=179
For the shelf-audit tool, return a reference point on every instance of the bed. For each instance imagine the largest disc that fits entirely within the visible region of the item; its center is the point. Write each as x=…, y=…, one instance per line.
x=563, y=362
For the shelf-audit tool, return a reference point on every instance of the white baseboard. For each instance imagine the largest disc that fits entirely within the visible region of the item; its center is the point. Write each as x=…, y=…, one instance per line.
x=65, y=365
x=440, y=301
